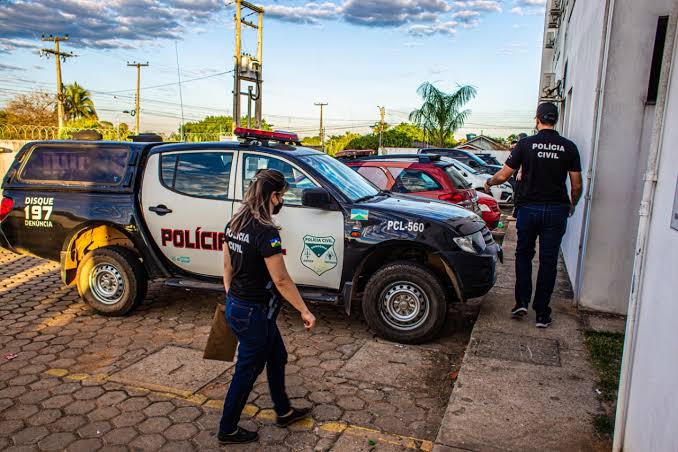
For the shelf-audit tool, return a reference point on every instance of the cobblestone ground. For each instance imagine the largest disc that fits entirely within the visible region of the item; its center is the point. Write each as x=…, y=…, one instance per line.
x=65, y=375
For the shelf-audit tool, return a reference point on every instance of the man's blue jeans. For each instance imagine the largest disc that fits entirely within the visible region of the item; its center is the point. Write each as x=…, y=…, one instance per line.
x=260, y=344
x=548, y=222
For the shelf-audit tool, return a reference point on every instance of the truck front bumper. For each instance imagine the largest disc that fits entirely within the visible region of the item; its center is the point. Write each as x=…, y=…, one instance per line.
x=476, y=273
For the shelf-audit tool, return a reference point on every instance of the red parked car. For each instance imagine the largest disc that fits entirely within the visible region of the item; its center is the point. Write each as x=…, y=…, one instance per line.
x=419, y=175
x=489, y=209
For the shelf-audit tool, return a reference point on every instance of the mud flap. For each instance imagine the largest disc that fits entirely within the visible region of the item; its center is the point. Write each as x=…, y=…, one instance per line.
x=347, y=296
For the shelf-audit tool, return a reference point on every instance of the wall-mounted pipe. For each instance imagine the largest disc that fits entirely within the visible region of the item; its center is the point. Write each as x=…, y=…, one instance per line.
x=646, y=208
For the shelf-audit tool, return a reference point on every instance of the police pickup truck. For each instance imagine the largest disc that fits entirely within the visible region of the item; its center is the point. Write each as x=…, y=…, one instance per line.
x=116, y=214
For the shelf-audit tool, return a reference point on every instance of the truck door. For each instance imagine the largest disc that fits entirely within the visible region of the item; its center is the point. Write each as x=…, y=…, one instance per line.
x=312, y=239
x=187, y=199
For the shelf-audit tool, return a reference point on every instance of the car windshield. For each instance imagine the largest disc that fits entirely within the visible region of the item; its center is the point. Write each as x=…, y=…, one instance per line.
x=490, y=160
x=457, y=179
x=460, y=166
x=343, y=178
x=475, y=158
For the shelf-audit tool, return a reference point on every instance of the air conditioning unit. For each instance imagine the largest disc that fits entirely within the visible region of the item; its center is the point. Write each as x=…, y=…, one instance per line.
x=551, y=88
x=554, y=21
x=557, y=7
x=550, y=41
x=555, y=13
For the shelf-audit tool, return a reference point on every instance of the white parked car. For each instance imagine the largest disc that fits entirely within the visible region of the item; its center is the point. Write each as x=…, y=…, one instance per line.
x=503, y=193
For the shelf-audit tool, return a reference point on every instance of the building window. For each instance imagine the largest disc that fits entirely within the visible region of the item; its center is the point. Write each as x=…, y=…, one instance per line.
x=657, y=56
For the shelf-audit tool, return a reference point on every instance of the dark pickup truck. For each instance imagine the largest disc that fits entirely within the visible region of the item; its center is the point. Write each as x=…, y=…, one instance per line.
x=116, y=214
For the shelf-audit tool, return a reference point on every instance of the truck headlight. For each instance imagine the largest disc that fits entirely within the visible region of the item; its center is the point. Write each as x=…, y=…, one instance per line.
x=474, y=243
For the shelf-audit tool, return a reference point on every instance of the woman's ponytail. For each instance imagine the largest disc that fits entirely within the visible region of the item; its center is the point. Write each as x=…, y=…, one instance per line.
x=257, y=199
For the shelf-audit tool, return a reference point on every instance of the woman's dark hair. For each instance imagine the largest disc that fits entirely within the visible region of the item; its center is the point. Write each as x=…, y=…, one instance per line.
x=257, y=199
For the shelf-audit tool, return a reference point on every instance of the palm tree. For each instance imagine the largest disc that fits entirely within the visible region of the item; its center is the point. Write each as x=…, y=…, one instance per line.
x=441, y=113
x=78, y=103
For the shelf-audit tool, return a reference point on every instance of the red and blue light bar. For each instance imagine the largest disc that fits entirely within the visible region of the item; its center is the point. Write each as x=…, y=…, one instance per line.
x=255, y=134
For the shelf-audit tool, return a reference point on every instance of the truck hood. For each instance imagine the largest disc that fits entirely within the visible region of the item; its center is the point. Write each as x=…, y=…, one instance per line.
x=414, y=208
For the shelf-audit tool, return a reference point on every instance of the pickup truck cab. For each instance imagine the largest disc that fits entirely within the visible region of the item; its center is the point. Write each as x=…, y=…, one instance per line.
x=116, y=214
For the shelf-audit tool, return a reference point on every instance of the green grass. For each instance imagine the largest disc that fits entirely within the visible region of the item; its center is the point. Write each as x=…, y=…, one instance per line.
x=603, y=424
x=606, y=354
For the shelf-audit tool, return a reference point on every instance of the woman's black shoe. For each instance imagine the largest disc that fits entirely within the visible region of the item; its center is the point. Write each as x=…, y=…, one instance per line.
x=240, y=436
x=295, y=415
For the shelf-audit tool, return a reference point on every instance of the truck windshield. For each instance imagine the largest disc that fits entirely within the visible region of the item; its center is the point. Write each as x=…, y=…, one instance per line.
x=343, y=178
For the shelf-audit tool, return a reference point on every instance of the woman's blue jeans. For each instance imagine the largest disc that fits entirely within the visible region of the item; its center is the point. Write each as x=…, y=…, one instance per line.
x=260, y=344
x=548, y=222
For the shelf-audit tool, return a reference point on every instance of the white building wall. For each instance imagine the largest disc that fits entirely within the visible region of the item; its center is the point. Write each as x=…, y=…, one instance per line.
x=607, y=258
x=622, y=154
x=653, y=399
x=579, y=46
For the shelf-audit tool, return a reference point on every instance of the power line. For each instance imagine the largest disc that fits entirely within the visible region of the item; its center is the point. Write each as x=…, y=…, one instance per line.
x=169, y=84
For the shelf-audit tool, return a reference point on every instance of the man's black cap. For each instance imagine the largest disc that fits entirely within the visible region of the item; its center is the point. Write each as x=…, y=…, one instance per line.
x=547, y=113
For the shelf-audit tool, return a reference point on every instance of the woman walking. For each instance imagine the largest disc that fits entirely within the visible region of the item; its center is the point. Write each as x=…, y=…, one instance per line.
x=256, y=282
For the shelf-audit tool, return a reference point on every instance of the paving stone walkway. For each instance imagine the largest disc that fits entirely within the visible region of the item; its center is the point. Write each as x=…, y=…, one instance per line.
x=73, y=380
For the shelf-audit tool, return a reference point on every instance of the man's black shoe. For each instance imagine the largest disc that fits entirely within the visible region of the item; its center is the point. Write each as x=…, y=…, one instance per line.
x=295, y=415
x=518, y=311
x=543, y=321
x=240, y=436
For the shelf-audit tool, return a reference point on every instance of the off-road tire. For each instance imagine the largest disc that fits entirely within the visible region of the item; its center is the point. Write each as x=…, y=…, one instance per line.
x=130, y=270
x=408, y=272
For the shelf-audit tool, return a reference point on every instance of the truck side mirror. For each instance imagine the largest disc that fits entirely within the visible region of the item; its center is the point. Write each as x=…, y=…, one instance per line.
x=318, y=198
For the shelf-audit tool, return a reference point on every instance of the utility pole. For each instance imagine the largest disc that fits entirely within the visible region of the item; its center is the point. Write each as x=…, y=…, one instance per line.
x=137, y=107
x=248, y=68
x=382, y=112
x=322, y=129
x=59, y=56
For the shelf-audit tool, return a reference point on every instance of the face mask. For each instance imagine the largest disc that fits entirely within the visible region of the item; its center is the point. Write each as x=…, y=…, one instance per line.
x=276, y=209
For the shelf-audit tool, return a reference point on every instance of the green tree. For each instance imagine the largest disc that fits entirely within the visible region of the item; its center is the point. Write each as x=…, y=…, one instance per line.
x=501, y=140
x=411, y=130
x=311, y=141
x=211, y=128
x=338, y=143
x=442, y=114
x=392, y=138
x=78, y=103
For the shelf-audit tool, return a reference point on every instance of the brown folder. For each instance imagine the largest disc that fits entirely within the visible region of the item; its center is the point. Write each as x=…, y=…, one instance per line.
x=222, y=342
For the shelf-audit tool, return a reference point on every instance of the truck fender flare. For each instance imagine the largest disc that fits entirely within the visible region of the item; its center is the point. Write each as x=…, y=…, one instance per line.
x=110, y=235
x=433, y=259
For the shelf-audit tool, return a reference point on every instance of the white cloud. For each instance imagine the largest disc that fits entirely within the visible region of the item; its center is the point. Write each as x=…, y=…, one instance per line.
x=310, y=13
x=480, y=5
x=528, y=7
x=444, y=28
x=97, y=24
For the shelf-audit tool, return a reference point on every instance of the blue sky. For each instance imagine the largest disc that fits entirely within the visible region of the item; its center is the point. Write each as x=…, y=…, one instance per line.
x=352, y=54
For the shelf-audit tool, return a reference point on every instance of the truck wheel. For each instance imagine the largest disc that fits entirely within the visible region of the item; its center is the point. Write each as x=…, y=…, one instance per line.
x=112, y=280
x=405, y=302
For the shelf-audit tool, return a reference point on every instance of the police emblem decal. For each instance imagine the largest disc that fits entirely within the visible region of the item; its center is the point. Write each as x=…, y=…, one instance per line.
x=318, y=254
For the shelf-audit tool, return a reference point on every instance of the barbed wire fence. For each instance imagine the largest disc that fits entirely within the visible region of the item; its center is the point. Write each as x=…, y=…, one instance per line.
x=38, y=132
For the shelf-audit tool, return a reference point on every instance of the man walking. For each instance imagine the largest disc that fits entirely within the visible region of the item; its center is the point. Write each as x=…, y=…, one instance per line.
x=546, y=159
x=515, y=180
